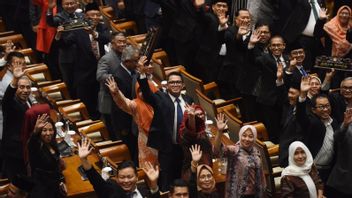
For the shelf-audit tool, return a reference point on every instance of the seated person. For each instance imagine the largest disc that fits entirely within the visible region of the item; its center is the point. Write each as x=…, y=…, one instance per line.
x=300, y=178
x=202, y=183
x=179, y=188
x=125, y=183
x=19, y=187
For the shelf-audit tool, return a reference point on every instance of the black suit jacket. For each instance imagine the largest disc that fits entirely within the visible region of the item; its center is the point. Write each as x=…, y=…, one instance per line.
x=13, y=112
x=268, y=92
x=161, y=129
x=338, y=106
x=122, y=122
x=86, y=63
x=110, y=189
x=315, y=129
x=294, y=16
x=291, y=131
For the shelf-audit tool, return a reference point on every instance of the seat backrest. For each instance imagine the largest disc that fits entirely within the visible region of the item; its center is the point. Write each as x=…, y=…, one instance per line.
x=39, y=73
x=29, y=55
x=207, y=104
x=76, y=112
x=136, y=40
x=267, y=167
x=56, y=92
x=129, y=27
x=192, y=83
x=159, y=71
x=96, y=127
x=17, y=39
x=161, y=55
x=117, y=153
x=234, y=125
x=261, y=131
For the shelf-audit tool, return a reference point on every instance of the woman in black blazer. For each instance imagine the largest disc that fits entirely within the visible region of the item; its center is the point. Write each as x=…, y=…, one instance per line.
x=45, y=162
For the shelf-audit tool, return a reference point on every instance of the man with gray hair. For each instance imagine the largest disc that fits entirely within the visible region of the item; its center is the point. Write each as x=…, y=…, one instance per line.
x=125, y=78
x=14, y=105
x=341, y=100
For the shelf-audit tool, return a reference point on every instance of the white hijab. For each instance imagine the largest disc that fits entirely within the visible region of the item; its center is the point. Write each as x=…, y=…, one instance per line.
x=245, y=128
x=301, y=171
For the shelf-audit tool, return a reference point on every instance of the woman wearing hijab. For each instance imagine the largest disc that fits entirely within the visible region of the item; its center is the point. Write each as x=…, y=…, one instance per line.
x=337, y=29
x=300, y=179
x=245, y=176
x=142, y=114
x=202, y=182
x=192, y=131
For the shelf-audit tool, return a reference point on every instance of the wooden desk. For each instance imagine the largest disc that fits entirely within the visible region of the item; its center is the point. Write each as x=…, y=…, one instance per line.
x=76, y=187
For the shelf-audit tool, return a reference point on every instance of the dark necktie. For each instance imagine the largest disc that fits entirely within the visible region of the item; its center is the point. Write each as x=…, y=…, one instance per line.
x=95, y=48
x=315, y=11
x=179, y=117
x=131, y=194
x=303, y=72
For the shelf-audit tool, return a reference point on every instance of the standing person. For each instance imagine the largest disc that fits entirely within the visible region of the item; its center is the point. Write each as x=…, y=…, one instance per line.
x=44, y=157
x=202, y=182
x=269, y=98
x=300, y=179
x=108, y=65
x=125, y=183
x=245, y=175
x=340, y=177
x=142, y=114
x=163, y=134
x=14, y=105
x=320, y=129
x=192, y=131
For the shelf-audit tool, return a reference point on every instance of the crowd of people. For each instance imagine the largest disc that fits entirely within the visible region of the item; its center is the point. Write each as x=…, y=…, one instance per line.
x=263, y=51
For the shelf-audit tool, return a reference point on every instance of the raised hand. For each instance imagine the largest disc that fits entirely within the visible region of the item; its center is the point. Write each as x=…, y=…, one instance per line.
x=280, y=72
x=83, y=148
x=141, y=65
x=151, y=172
x=112, y=85
x=223, y=19
x=347, y=117
x=243, y=28
x=17, y=70
x=305, y=84
x=190, y=110
x=196, y=153
x=330, y=74
x=221, y=122
x=323, y=13
x=51, y=4
x=198, y=3
x=42, y=120
x=293, y=63
x=255, y=37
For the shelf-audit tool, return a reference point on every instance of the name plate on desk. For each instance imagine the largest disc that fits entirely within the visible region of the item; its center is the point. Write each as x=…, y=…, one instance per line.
x=328, y=62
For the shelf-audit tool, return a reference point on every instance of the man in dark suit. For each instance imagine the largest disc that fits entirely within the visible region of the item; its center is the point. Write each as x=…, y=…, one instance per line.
x=319, y=129
x=341, y=100
x=208, y=59
x=236, y=39
x=297, y=22
x=163, y=134
x=125, y=183
x=125, y=77
x=296, y=71
x=291, y=130
x=108, y=66
x=272, y=82
x=14, y=105
x=248, y=80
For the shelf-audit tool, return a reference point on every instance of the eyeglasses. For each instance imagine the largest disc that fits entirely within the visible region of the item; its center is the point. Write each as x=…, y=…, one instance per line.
x=322, y=107
x=347, y=88
x=174, y=82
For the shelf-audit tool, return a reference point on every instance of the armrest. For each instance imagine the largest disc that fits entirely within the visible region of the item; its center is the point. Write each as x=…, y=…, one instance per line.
x=274, y=150
x=228, y=102
x=105, y=144
x=85, y=123
x=47, y=83
x=212, y=87
x=66, y=102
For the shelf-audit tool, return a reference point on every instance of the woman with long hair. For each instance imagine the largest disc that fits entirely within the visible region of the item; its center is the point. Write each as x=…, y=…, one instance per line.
x=44, y=157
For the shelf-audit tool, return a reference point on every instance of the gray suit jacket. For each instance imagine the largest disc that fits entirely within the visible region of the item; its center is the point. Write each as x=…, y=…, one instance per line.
x=107, y=66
